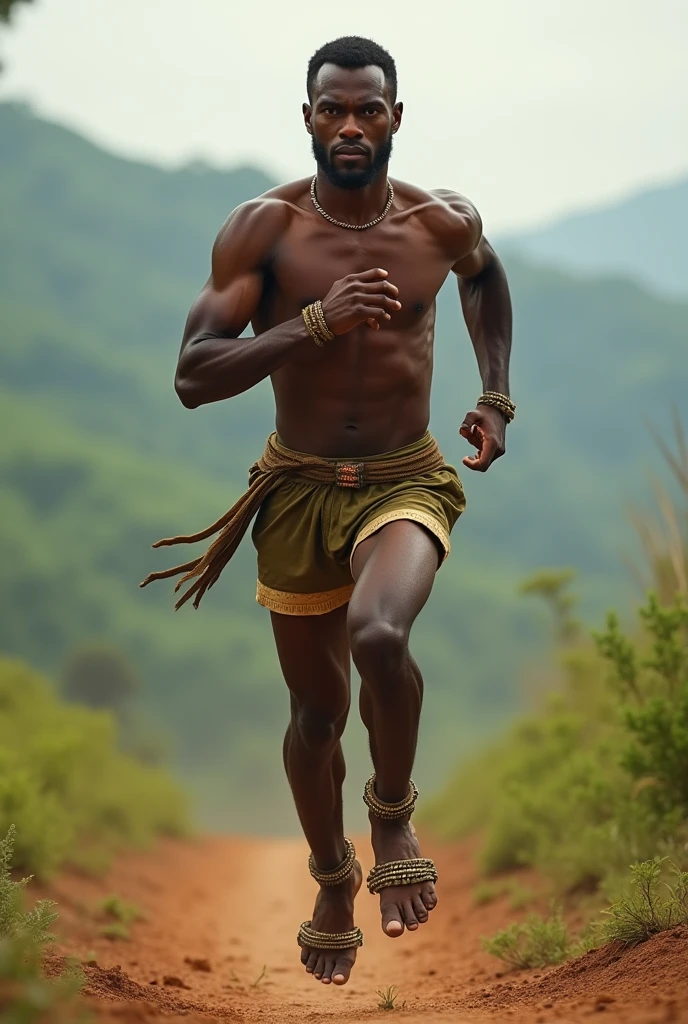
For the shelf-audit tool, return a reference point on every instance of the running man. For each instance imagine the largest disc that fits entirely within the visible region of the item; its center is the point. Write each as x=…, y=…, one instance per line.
x=354, y=503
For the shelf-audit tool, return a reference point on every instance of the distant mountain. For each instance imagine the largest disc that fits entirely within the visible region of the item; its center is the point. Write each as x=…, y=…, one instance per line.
x=642, y=237
x=102, y=258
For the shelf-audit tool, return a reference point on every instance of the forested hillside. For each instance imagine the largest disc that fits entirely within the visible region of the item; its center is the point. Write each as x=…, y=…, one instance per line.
x=97, y=459
x=641, y=236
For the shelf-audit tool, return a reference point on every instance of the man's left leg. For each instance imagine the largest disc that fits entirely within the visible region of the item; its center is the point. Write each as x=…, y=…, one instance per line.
x=394, y=572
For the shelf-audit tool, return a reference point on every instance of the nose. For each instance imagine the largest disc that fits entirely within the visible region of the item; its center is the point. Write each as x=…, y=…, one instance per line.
x=350, y=130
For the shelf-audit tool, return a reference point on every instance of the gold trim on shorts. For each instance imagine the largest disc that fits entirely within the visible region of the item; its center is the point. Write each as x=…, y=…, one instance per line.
x=287, y=603
x=429, y=522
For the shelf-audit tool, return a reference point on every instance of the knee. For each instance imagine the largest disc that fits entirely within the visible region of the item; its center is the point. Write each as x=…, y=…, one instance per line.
x=317, y=729
x=379, y=649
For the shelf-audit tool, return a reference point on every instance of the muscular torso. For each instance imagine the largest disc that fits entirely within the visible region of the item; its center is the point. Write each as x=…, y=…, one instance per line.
x=367, y=391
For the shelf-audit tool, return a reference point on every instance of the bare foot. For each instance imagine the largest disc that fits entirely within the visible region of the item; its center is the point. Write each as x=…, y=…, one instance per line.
x=334, y=912
x=400, y=905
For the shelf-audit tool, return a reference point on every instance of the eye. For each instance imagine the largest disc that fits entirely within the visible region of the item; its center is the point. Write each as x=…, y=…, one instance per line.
x=332, y=111
x=370, y=111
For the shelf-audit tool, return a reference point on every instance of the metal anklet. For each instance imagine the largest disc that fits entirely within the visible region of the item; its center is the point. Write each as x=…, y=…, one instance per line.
x=389, y=811
x=401, y=872
x=339, y=874
x=309, y=937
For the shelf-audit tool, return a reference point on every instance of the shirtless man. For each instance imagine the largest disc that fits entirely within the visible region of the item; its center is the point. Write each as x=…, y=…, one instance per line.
x=355, y=503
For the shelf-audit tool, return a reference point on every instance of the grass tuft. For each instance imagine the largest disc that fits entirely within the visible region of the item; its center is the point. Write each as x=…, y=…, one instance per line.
x=536, y=942
x=117, y=909
x=388, y=999
x=650, y=906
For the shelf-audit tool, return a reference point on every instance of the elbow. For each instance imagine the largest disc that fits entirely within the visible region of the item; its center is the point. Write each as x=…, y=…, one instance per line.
x=186, y=391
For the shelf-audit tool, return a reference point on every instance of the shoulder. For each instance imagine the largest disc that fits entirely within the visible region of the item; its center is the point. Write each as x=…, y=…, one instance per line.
x=458, y=221
x=448, y=215
x=252, y=229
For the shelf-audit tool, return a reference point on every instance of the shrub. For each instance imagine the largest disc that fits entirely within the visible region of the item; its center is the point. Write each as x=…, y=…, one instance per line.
x=25, y=995
x=599, y=777
x=535, y=942
x=71, y=793
x=650, y=906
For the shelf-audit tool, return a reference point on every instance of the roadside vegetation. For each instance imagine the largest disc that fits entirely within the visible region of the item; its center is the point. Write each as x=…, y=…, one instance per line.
x=72, y=794
x=26, y=995
x=591, y=789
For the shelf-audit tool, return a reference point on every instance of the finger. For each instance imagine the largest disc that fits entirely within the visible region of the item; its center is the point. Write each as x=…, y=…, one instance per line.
x=375, y=313
x=373, y=295
x=472, y=433
x=376, y=274
x=373, y=323
x=380, y=287
x=485, y=456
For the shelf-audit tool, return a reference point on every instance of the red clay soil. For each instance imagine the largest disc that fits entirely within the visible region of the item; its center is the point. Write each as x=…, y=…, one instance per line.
x=218, y=944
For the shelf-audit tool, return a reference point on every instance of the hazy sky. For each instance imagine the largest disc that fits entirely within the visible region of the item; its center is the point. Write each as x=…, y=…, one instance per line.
x=530, y=107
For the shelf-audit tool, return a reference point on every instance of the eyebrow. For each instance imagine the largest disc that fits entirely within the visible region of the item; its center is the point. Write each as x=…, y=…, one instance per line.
x=376, y=101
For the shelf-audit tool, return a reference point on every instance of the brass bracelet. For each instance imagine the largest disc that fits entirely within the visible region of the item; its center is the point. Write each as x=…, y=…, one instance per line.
x=315, y=321
x=500, y=402
x=326, y=333
x=309, y=320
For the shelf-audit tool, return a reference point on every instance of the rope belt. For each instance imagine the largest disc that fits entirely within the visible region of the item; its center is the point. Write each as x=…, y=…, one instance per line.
x=264, y=477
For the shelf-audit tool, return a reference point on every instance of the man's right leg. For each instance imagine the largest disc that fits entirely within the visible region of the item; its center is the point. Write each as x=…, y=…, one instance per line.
x=314, y=654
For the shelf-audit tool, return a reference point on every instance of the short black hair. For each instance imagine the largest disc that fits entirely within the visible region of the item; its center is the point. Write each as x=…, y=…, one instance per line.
x=353, y=52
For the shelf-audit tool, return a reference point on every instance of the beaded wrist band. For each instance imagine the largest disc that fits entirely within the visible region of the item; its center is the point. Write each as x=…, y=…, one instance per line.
x=401, y=872
x=498, y=401
x=337, y=875
x=315, y=322
x=389, y=811
x=328, y=940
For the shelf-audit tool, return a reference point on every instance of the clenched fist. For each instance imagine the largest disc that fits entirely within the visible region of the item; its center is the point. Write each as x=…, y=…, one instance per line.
x=360, y=298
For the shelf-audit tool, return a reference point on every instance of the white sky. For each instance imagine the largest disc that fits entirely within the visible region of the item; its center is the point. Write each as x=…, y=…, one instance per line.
x=529, y=107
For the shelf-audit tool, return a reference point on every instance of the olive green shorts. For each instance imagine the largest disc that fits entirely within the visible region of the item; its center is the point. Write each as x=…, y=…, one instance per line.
x=306, y=532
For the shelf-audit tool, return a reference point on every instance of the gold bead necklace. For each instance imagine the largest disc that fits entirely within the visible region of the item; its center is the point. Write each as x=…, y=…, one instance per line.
x=353, y=227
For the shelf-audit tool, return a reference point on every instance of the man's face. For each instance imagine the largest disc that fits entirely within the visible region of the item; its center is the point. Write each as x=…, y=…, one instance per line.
x=351, y=121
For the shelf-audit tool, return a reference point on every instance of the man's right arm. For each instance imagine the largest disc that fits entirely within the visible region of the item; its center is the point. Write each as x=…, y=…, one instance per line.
x=214, y=361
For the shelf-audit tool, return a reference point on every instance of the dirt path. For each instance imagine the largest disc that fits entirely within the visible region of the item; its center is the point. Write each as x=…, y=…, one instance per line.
x=219, y=910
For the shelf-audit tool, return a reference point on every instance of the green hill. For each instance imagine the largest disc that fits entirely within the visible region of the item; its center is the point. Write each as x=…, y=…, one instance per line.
x=641, y=236
x=103, y=257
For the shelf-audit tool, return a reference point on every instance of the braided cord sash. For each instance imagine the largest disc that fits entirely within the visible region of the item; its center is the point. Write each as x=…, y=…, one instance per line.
x=264, y=476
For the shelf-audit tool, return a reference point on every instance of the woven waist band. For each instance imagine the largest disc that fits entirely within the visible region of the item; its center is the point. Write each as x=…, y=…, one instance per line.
x=421, y=457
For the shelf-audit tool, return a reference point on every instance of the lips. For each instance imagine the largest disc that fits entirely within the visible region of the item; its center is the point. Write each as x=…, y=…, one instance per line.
x=350, y=151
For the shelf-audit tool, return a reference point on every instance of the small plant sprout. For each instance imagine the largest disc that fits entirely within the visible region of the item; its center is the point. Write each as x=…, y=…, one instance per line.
x=388, y=999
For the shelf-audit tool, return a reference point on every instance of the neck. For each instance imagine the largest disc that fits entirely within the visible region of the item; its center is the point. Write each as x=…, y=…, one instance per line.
x=353, y=205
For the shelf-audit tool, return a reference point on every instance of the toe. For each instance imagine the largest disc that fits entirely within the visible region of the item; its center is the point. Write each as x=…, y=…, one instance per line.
x=312, y=961
x=419, y=910
x=429, y=896
x=392, y=920
x=342, y=970
x=327, y=973
x=410, y=919
x=319, y=967
x=305, y=954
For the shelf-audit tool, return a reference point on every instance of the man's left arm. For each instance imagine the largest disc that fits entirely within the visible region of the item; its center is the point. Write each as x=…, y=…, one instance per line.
x=486, y=305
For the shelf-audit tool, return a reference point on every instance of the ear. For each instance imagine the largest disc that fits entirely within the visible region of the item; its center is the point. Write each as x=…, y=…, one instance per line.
x=397, y=113
x=307, y=112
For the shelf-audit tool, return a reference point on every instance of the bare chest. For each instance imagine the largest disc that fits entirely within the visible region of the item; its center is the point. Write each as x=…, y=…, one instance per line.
x=311, y=257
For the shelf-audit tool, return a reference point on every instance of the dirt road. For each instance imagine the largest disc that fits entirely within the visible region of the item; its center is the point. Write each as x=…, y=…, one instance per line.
x=218, y=943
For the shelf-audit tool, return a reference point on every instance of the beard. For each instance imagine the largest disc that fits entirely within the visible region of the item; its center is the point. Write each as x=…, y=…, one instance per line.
x=353, y=178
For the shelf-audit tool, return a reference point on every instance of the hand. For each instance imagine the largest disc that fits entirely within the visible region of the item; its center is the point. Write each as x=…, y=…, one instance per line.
x=360, y=298
x=485, y=428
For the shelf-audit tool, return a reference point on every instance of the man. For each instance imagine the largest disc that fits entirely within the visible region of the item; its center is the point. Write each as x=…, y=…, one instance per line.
x=338, y=277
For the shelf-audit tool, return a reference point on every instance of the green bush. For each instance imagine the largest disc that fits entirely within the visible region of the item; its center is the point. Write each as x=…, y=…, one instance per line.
x=26, y=996
x=651, y=905
x=599, y=777
x=535, y=942
x=71, y=793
